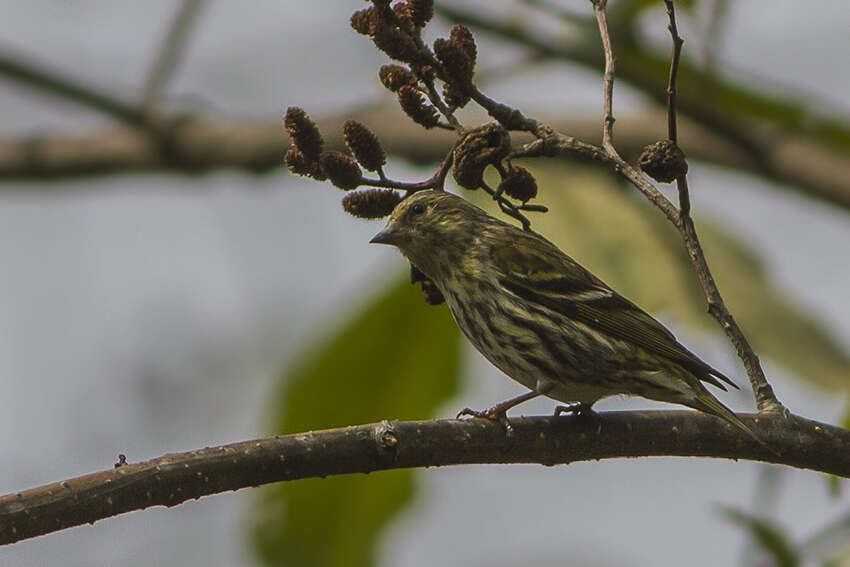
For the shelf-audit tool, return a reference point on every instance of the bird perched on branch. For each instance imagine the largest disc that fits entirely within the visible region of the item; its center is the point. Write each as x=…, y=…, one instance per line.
x=540, y=317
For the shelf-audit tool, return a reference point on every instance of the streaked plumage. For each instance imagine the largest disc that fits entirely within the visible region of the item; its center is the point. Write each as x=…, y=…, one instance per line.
x=539, y=316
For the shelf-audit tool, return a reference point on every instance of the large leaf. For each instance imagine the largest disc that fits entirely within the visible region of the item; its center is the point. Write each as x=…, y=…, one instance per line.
x=397, y=359
x=618, y=236
x=769, y=537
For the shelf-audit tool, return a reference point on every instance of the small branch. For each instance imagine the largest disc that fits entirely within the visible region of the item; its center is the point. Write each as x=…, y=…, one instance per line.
x=507, y=207
x=619, y=165
x=440, y=176
x=610, y=67
x=170, y=51
x=452, y=122
x=509, y=118
x=785, y=158
x=674, y=70
x=54, y=83
x=436, y=181
x=765, y=397
x=711, y=35
x=175, y=478
x=672, y=131
x=766, y=400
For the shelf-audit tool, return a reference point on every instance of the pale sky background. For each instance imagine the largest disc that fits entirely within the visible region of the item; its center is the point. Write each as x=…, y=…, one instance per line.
x=150, y=314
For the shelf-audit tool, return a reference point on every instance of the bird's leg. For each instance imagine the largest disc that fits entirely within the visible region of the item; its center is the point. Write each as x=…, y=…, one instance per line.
x=499, y=411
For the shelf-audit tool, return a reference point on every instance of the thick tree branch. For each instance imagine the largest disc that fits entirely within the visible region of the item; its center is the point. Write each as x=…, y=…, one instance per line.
x=205, y=143
x=175, y=478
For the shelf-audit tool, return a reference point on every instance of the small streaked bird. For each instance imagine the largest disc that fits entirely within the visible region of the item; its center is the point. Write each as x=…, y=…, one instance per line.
x=540, y=317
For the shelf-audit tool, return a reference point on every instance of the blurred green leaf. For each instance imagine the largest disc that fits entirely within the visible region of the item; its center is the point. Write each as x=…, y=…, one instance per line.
x=625, y=13
x=622, y=239
x=396, y=359
x=829, y=544
x=769, y=537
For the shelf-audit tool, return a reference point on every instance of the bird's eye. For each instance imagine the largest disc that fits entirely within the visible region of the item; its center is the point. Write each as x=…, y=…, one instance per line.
x=417, y=209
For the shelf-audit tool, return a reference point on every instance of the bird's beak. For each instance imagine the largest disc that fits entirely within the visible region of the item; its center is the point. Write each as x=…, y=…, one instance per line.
x=390, y=235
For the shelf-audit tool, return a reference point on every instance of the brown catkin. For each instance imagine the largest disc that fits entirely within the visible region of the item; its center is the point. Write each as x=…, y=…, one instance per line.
x=304, y=133
x=424, y=71
x=364, y=145
x=663, y=161
x=462, y=37
x=296, y=162
x=413, y=104
x=478, y=148
x=457, y=65
x=421, y=11
x=361, y=20
x=395, y=43
x=456, y=96
x=371, y=204
x=299, y=165
x=403, y=16
x=393, y=77
x=519, y=184
x=342, y=170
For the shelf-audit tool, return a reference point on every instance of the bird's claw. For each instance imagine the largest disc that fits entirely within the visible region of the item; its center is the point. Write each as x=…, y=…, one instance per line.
x=581, y=411
x=494, y=413
x=576, y=409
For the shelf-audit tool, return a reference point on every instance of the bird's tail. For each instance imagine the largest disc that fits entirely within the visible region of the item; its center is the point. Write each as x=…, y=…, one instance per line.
x=707, y=403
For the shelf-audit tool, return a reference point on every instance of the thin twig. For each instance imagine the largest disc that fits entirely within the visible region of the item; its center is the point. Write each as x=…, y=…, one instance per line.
x=711, y=32
x=765, y=397
x=171, y=51
x=55, y=83
x=802, y=121
x=437, y=101
x=672, y=131
x=510, y=118
x=435, y=182
x=610, y=68
x=674, y=70
x=440, y=176
x=506, y=206
x=175, y=478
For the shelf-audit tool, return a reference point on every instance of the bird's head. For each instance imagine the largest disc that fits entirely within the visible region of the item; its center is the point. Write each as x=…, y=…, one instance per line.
x=433, y=229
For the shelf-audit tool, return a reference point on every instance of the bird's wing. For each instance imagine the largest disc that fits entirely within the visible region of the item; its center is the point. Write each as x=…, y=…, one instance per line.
x=535, y=270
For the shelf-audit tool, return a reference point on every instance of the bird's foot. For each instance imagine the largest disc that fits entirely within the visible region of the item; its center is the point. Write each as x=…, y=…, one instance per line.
x=495, y=413
x=577, y=409
x=581, y=411
x=498, y=412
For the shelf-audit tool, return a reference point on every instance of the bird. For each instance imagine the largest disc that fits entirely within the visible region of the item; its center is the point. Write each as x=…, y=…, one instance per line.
x=543, y=319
